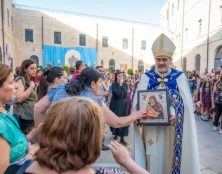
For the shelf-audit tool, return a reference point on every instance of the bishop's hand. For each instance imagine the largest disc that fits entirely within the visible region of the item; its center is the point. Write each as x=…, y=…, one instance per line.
x=172, y=119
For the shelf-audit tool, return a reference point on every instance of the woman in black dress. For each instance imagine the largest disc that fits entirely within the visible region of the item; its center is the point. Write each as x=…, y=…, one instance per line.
x=119, y=105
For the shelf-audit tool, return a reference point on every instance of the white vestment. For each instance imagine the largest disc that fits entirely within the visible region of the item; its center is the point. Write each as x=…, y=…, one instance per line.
x=158, y=157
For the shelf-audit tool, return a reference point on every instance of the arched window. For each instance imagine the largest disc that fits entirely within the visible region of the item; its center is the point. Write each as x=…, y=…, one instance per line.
x=102, y=63
x=218, y=58
x=112, y=64
x=184, y=68
x=197, y=62
x=141, y=65
x=35, y=59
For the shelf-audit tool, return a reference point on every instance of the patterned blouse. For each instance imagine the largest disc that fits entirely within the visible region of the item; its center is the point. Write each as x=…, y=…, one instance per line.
x=58, y=93
x=87, y=92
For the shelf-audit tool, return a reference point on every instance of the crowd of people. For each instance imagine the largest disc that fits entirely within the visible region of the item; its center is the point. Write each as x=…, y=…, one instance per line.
x=58, y=119
x=37, y=137
x=206, y=90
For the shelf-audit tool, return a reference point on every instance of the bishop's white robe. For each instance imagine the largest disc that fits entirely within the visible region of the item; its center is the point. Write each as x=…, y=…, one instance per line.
x=158, y=157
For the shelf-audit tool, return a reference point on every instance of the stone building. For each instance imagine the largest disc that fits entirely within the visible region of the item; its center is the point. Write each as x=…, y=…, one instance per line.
x=60, y=37
x=6, y=32
x=195, y=26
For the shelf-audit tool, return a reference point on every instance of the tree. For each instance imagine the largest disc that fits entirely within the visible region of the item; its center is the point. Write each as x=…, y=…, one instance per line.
x=130, y=71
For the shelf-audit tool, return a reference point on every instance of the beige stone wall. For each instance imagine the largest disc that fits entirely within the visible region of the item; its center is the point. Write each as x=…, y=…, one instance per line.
x=8, y=35
x=71, y=26
x=43, y=33
x=194, y=36
x=25, y=20
x=135, y=34
x=70, y=35
x=1, y=40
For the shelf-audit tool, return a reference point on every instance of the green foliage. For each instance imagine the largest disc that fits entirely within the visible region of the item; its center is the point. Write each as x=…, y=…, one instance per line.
x=66, y=68
x=41, y=67
x=130, y=71
x=110, y=70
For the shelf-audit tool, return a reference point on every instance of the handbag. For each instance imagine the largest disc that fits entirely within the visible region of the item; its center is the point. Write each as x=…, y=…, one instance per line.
x=17, y=168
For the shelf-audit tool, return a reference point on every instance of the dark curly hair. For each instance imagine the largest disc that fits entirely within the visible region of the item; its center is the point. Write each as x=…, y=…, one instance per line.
x=48, y=77
x=25, y=64
x=85, y=79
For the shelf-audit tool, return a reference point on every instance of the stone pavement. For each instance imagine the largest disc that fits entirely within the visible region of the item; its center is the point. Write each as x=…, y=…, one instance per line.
x=106, y=156
x=210, y=147
x=209, y=142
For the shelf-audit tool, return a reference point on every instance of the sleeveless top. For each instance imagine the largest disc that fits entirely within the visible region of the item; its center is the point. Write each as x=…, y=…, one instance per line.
x=10, y=131
x=25, y=109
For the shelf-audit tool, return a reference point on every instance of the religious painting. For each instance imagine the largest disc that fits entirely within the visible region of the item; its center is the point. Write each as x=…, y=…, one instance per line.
x=156, y=103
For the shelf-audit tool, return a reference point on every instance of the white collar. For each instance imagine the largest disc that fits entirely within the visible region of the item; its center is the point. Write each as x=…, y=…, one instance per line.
x=162, y=75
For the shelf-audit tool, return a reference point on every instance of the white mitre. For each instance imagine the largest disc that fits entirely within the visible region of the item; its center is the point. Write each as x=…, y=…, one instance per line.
x=163, y=46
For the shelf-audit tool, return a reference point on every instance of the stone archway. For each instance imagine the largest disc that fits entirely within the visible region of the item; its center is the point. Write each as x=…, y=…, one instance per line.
x=141, y=66
x=35, y=59
x=112, y=64
x=102, y=63
x=218, y=57
x=197, y=62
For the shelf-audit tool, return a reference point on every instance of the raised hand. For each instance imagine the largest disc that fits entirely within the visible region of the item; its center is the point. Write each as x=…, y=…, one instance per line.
x=140, y=113
x=32, y=84
x=120, y=153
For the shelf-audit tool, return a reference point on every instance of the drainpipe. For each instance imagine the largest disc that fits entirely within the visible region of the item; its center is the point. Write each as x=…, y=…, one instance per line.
x=132, y=47
x=3, y=37
x=181, y=51
x=97, y=42
x=42, y=39
x=208, y=34
x=97, y=35
x=42, y=32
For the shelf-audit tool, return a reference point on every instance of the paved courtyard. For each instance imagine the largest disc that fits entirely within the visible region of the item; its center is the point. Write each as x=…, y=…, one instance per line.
x=210, y=148
x=209, y=142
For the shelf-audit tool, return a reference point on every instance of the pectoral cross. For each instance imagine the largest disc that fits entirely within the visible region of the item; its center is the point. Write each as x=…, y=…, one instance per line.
x=162, y=81
x=162, y=78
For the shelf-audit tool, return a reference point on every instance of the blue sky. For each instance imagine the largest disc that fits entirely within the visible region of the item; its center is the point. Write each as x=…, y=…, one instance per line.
x=138, y=10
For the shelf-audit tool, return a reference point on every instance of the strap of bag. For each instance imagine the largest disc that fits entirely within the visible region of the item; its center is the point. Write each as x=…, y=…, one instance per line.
x=23, y=81
x=20, y=167
x=23, y=168
x=20, y=103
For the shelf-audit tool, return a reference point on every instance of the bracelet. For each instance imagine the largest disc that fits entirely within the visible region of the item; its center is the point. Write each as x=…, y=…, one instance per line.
x=31, y=155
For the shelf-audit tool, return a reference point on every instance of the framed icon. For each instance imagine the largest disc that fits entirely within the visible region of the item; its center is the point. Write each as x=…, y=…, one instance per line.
x=157, y=106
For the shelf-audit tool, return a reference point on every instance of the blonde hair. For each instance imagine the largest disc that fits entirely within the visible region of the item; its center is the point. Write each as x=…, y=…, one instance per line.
x=71, y=135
